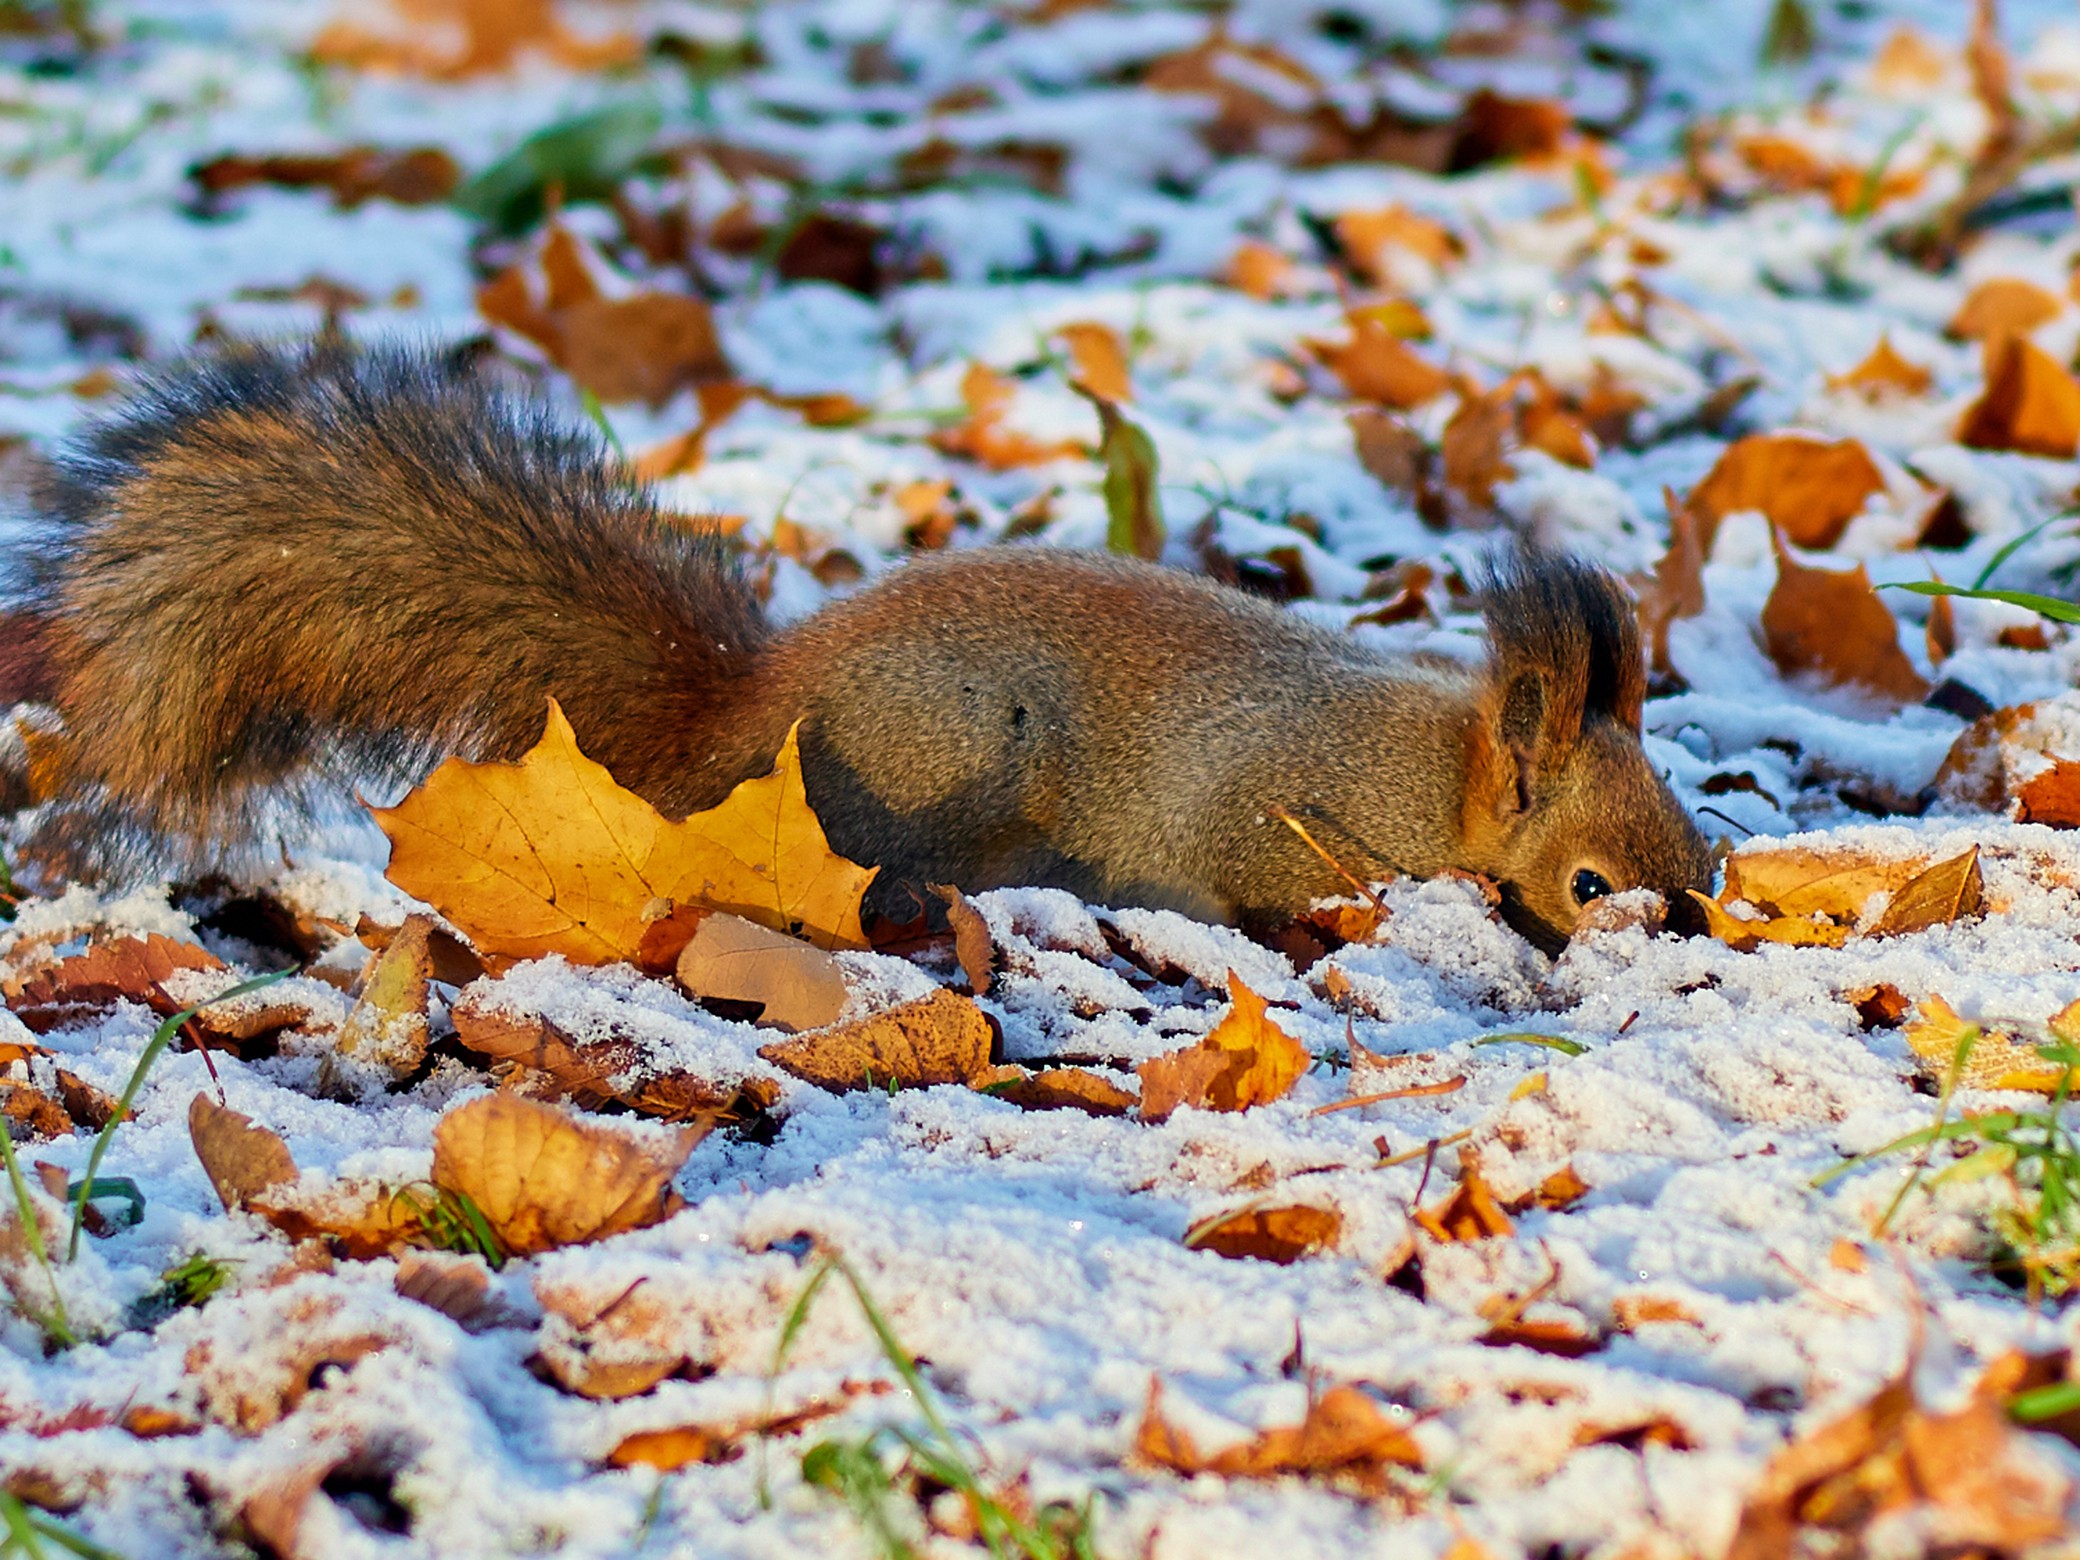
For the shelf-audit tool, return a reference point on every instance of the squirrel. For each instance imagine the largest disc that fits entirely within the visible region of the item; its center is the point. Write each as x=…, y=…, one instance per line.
x=276, y=572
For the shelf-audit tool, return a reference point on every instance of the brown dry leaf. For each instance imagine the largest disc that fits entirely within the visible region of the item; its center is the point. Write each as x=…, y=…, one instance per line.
x=797, y=986
x=242, y=1160
x=1845, y=1256
x=1793, y=881
x=1471, y=1212
x=719, y=400
x=1366, y=237
x=644, y=347
x=942, y=1038
x=983, y=437
x=684, y=1445
x=1884, y=373
x=387, y=1024
x=1631, y=1312
x=471, y=38
x=1391, y=450
x=1908, y=63
x=1999, y=1059
x=1472, y=447
x=596, y=1072
x=549, y=855
x=1562, y=1189
x=33, y=1113
x=2031, y=404
x=1247, y=1060
x=357, y=1219
x=1099, y=360
x=1065, y=1088
x=112, y=970
x=1677, y=589
x=1971, y=1476
x=1946, y=892
x=1344, y=1432
x=2052, y=797
x=274, y=1514
x=423, y=176
x=1258, y=269
x=1811, y=488
x=1376, y=366
x=1746, y=936
x=1833, y=626
x=2003, y=306
x=972, y=945
x=544, y=1178
x=1282, y=1235
x=457, y=1286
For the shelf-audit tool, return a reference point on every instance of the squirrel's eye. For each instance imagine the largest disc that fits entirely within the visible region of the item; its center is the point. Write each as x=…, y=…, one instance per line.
x=1589, y=885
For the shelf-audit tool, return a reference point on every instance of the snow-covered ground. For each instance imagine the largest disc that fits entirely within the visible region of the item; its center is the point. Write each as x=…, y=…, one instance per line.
x=1724, y=1305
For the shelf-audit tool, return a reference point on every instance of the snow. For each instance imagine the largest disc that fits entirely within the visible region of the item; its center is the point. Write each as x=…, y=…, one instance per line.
x=1034, y=1260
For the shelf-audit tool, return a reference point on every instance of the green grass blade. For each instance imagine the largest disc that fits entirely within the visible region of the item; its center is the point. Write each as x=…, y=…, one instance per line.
x=2041, y=1403
x=57, y=1324
x=1560, y=1043
x=162, y=1037
x=2044, y=606
x=2011, y=547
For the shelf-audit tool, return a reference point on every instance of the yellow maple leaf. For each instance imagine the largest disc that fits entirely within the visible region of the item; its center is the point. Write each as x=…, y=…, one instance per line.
x=549, y=855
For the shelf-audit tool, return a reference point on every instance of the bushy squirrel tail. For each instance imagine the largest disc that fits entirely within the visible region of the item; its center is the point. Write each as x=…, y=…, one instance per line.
x=328, y=564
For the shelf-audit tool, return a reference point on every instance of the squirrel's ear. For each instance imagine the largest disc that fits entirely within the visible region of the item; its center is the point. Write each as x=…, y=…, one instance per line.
x=1510, y=744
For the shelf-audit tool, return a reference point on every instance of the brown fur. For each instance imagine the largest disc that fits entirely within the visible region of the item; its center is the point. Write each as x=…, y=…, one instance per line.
x=275, y=573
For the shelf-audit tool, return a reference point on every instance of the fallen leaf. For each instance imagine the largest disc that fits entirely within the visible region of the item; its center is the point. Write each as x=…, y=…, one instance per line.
x=1845, y=1256
x=1803, y=931
x=1133, y=505
x=1375, y=365
x=274, y=1514
x=1793, y=881
x=1282, y=1235
x=358, y=1219
x=1808, y=487
x=423, y=176
x=1344, y=1432
x=1944, y=893
x=942, y=1038
x=1065, y=1088
x=1562, y=1189
x=1258, y=269
x=1631, y=1312
x=1833, y=626
x=2031, y=404
x=449, y=40
x=544, y=1178
x=1561, y=1337
x=606, y=1069
x=1099, y=361
x=682, y=1446
x=1471, y=1212
x=984, y=436
x=972, y=945
x=1369, y=237
x=33, y=1113
x=549, y=855
x=1247, y=1060
x=645, y=346
x=1908, y=64
x=2003, y=306
x=797, y=986
x=1471, y=451
x=241, y=1159
x=387, y=1025
x=1999, y=1058
x=115, y=969
x=457, y=1286
x=1971, y=1476
x=2051, y=797
x=1391, y=450
x=1884, y=373
x=1677, y=588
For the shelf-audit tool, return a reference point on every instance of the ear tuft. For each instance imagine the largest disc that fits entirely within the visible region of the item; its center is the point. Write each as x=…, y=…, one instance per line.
x=1568, y=629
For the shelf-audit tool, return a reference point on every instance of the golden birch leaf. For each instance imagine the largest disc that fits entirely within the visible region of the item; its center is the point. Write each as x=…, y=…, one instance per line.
x=543, y=1177
x=549, y=855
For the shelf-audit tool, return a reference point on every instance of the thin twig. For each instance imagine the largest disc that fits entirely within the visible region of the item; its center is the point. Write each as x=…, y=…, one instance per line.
x=1449, y=1086
x=1335, y=866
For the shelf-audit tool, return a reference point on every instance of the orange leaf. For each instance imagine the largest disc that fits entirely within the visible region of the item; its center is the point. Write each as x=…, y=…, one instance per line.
x=2052, y=797
x=1833, y=626
x=1247, y=1060
x=983, y=437
x=1366, y=236
x=2004, y=306
x=1811, y=488
x=1472, y=446
x=476, y=37
x=549, y=855
x=1908, y=62
x=1344, y=1432
x=1099, y=359
x=1258, y=269
x=1065, y=1088
x=2030, y=404
x=1281, y=1235
x=1883, y=373
x=1471, y=1212
x=1375, y=366
x=543, y=1177
x=942, y=1038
